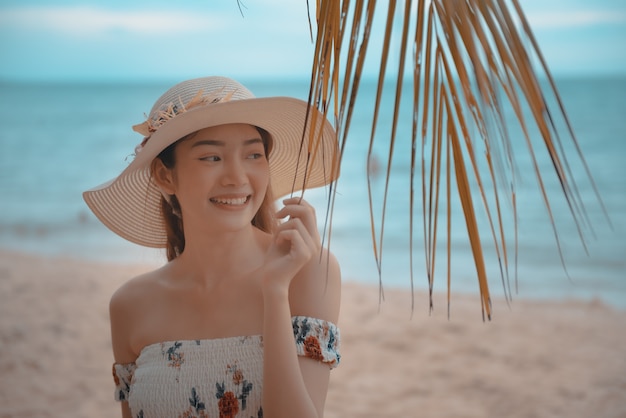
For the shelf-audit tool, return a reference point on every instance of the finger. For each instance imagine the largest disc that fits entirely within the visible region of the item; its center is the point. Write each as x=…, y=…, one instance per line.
x=295, y=244
x=296, y=201
x=294, y=210
x=298, y=208
x=305, y=217
x=296, y=224
x=306, y=212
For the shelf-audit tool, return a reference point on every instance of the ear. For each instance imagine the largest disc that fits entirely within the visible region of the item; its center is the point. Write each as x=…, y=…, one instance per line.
x=163, y=177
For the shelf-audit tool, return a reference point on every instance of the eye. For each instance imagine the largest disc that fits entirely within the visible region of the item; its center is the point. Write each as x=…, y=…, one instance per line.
x=256, y=155
x=211, y=158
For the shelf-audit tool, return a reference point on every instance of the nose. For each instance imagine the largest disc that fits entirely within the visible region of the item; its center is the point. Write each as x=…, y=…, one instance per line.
x=234, y=173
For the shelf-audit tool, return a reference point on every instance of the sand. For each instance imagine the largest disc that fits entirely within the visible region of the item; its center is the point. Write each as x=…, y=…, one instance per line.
x=534, y=359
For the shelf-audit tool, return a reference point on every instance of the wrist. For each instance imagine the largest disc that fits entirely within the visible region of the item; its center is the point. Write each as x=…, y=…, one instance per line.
x=275, y=291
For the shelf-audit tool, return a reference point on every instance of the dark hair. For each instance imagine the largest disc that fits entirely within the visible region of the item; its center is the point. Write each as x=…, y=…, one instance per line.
x=170, y=208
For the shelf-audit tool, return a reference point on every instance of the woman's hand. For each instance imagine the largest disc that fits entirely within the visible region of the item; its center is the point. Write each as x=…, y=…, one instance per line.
x=295, y=242
x=297, y=279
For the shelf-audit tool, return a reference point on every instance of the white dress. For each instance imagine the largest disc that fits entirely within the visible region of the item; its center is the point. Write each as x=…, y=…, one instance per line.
x=212, y=378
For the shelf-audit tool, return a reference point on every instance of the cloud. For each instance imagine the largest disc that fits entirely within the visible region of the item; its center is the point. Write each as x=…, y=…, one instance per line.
x=94, y=21
x=574, y=19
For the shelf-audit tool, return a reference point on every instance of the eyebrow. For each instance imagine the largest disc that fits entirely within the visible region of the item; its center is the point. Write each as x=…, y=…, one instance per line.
x=223, y=143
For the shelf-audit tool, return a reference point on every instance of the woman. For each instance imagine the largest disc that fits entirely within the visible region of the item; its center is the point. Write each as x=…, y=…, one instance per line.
x=240, y=321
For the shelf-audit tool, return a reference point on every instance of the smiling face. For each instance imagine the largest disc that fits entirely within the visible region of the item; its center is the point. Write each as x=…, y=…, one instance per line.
x=220, y=177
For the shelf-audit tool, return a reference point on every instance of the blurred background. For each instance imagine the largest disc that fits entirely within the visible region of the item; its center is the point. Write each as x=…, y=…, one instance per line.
x=75, y=76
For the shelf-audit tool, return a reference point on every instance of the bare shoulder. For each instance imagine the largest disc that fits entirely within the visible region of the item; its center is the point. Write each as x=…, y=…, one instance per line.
x=132, y=292
x=126, y=306
x=316, y=290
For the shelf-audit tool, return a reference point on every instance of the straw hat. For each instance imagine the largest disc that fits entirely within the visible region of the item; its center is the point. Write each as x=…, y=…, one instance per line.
x=129, y=205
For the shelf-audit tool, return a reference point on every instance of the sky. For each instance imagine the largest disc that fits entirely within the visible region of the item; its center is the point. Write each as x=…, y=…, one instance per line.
x=68, y=40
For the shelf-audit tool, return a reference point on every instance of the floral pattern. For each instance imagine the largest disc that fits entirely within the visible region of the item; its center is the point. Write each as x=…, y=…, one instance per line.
x=123, y=376
x=212, y=378
x=174, y=358
x=312, y=348
x=196, y=408
x=228, y=403
x=317, y=339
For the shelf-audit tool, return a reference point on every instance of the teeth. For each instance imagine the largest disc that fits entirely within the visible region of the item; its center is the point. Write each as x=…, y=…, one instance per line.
x=237, y=201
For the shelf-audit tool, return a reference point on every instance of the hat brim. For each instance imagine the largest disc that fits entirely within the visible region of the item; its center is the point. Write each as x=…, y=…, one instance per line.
x=129, y=205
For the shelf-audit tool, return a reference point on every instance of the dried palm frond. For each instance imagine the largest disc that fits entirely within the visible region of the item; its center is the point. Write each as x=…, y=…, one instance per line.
x=471, y=58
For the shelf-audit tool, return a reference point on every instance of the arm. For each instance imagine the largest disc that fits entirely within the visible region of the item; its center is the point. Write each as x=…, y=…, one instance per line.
x=125, y=410
x=119, y=314
x=297, y=281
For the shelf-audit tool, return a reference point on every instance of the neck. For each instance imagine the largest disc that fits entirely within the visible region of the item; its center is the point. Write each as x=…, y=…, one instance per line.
x=214, y=257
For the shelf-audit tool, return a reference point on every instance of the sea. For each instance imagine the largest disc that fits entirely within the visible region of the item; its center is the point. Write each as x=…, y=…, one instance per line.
x=59, y=139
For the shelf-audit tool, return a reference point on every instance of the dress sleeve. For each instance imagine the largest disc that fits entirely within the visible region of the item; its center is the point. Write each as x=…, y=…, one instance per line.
x=123, y=375
x=317, y=339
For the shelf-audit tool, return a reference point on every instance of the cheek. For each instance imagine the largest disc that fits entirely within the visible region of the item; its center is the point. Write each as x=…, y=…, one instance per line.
x=261, y=175
x=189, y=182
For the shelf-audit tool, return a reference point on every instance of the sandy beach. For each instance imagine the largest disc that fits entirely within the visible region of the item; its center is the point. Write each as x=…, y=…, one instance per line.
x=534, y=359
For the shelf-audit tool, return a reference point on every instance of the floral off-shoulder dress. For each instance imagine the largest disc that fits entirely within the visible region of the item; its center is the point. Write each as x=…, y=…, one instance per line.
x=221, y=378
